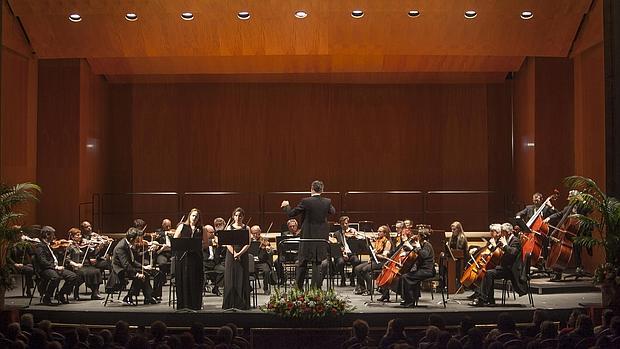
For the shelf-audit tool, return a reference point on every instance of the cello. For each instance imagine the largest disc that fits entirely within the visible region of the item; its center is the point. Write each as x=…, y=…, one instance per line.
x=487, y=257
x=402, y=259
x=533, y=240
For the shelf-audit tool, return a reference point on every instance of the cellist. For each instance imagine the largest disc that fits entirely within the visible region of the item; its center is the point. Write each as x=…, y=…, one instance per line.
x=423, y=268
x=554, y=220
x=495, y=232
x=510, y=267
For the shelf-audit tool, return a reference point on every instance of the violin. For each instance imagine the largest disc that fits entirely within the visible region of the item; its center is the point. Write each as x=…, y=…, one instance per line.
x=60, y=243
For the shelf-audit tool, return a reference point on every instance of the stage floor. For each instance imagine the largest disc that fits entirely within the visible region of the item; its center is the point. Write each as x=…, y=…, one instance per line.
x=377, y=314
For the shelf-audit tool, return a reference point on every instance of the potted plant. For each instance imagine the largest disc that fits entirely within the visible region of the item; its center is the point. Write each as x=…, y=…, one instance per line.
x=10, y=198
x=604, y=219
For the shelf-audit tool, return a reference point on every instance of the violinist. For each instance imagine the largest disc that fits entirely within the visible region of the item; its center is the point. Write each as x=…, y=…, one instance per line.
x=52, y=270
x=79, y=262
x=160, y=247
x=572, y=207
x=212, y=261
x=510, y=267
x=99, y=245
x=347, y=256
x=423, y=268
x=264, y=260
x=382, y=248
x=529, y=210
x=293, y=231
x=21, y=256
x=125, y=265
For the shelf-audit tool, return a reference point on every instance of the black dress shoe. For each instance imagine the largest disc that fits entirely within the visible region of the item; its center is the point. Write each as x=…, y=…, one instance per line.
x=477, y=303
x=96, y=297
x=128, y=301
x=472, y=296
x=47, y=301
x=405, y=304
x=342, y=283
x=216, y=291
x=150, y=301
x=61, y=298
x=384, y=299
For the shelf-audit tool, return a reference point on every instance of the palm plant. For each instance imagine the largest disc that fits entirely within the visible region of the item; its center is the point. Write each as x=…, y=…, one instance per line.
x=10, y=198
x=605, y=218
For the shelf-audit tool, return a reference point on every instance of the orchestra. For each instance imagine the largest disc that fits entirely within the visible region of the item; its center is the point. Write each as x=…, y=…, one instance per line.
x=403, y=257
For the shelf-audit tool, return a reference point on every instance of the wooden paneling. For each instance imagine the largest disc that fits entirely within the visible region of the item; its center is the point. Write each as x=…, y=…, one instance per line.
x=58, y=138
x=591, y=31
x=18, y=110
x=279, y=137
x=273, y=30
x=277, y=65
x=524, y=133
x=555, y=152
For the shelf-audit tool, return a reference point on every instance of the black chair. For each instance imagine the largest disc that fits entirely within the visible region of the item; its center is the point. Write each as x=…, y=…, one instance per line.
x=507, y=282
x=549, y=343
x=254, y=282
x=586, y=343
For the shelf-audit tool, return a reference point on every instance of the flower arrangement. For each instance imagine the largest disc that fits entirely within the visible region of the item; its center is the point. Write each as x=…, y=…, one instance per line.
x=606, y=272
x=307, y=304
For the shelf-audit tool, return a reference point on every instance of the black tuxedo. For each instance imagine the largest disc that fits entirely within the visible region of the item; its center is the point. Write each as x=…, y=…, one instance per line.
x=340, y=260
x=529, y=211
x=314, y=211
x=45, y=265
x=511, y=267
x=125, y=266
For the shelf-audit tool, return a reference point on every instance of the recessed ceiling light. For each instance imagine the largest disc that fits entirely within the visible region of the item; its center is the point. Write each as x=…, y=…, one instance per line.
x=74, y=17
x=301, y=14
x=469, y=14
x=357, y=13
x=131, y=17
x=244, y=15
x=413, y=13
x=187, y=16
x=527, y=15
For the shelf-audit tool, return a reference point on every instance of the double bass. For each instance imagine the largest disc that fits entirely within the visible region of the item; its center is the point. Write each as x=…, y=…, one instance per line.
x=533, y=241
x=561, y=245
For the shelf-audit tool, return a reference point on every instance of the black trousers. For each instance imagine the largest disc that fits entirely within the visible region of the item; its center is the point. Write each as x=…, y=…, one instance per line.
x=53, y=277
x=341, y=262
x=411, y=284
x=486, y=286
x=143, y=285
x=213, y=271
x=265, y=268
x=363, y=273
x=27, y=272
x=302, y=270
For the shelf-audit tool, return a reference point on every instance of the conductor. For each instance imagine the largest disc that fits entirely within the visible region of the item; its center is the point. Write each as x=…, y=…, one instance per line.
x=314, y=211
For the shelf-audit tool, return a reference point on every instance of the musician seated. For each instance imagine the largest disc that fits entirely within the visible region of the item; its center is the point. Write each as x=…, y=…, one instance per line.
x=347, y=256
x=423, y=268
x=264, y=259
x=510, y=267
x=212, y=261
x=159, y=255
x=382, y=248
x=102, y=248
x=293, y=231
x=79, y=261
x=21, y=257
x=51, y=270
x=495, y=232
x=124, y=266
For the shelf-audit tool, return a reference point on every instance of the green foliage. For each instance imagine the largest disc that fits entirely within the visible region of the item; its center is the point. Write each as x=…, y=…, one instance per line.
x=10, y=198
x=307, y=304
x=605, y=218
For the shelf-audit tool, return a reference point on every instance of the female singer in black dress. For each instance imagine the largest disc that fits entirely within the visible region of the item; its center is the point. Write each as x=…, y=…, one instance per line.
x=188, y=265
x=236, y=272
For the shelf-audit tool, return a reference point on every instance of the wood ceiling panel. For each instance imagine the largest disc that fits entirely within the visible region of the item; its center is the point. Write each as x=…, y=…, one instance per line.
x=302, y=64
x=334, y=78
x=328, y=30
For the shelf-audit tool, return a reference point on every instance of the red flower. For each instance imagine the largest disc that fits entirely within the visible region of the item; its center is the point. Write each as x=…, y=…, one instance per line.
x=290, y=305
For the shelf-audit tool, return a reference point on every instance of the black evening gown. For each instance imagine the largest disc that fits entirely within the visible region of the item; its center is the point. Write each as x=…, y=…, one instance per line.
x=236, y=281
x=188, y=274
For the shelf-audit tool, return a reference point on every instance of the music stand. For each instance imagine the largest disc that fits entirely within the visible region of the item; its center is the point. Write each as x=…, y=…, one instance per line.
x=179, y=248
x=521, y=224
